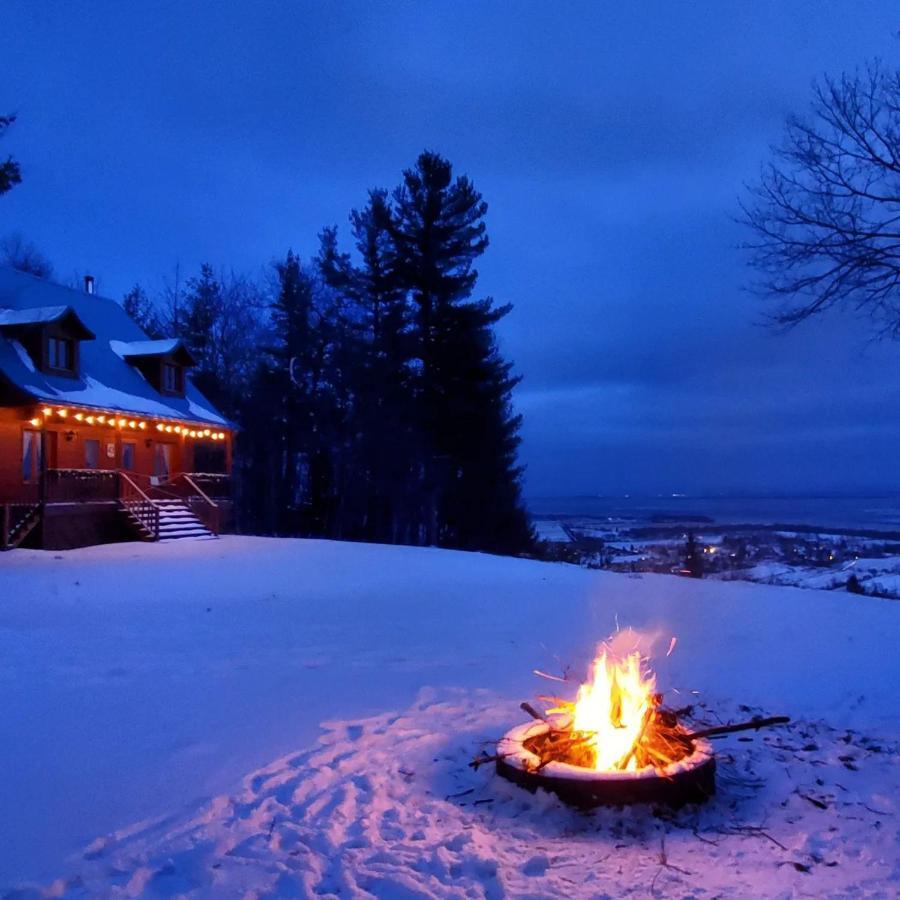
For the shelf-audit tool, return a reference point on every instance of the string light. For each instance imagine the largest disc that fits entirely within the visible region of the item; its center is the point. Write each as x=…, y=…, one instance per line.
x=111, y=421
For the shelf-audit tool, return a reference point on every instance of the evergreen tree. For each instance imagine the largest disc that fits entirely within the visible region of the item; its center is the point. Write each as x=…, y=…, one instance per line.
x=142, y=309
x=469, y=479
x=376, y=357
x=290, y=387
x=197, y=319
x=10, y=172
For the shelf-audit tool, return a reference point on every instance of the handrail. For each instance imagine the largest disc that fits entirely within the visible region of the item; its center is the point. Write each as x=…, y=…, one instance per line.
x=139, y=504
x=209, y=514
x=128, y=479
x=198, y=489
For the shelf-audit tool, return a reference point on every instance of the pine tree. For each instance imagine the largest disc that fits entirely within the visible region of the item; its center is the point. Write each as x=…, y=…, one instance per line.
x=377, y=366
x=295, y=398
x=198, y=317
x=469, y=478
x=10, y=171
x=142, y=309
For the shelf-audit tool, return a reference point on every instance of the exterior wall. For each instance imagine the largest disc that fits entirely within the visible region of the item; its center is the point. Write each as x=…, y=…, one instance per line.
x=65, y=441
x=65, y=526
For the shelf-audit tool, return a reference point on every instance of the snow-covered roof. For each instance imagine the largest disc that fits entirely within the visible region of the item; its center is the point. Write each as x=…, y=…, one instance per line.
x=105, y=380
x=32, y=316
x=128, y=349
x=142, y=349
x=43, y=315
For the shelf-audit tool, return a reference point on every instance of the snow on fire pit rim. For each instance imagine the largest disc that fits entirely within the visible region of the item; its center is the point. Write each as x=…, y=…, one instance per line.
x=511, y=748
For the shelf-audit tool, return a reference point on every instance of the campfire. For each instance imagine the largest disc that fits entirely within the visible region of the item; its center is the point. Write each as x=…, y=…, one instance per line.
x=616, y=742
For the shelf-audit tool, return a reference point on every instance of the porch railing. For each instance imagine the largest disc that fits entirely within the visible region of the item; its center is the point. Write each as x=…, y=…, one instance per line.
x=202, y=505
x=136, y=502
x=79, y=485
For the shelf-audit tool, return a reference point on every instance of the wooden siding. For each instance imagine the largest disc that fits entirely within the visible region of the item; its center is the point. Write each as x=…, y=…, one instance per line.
x=66, y=441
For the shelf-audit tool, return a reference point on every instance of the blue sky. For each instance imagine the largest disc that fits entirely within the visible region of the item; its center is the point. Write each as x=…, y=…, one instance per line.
x=610, y=143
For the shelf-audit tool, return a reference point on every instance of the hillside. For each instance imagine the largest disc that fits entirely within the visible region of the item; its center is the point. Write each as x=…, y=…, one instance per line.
x=296, y=716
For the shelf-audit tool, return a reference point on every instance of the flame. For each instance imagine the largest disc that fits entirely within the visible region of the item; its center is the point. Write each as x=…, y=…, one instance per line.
x=614, y=707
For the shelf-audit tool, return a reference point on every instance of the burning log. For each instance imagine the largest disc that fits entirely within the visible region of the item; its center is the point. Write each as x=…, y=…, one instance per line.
x=615, y=743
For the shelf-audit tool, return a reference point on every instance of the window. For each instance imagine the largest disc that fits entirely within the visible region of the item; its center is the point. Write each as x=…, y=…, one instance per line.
x=172, y=378
x=162, y=461
x=61, y=354
x=91, y=454
x=128, y=455
x=31, y=455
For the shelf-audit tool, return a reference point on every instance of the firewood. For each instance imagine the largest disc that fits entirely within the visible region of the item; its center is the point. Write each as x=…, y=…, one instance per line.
x=741, y=726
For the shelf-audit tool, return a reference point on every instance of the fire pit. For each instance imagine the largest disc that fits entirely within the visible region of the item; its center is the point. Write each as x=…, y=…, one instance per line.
x=615, y=744
x=689, y=780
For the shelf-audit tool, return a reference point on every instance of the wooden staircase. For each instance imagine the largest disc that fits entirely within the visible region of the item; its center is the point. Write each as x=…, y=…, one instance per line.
x=17, y=521
x=176, y=521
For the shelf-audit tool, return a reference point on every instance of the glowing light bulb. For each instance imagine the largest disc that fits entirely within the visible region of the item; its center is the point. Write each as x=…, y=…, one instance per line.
x=101, y=419
x=90, y=420
x=62, y=413
x=46, y=410
x=34, y=422
x=122, y=423
x=132, y=424
x=79, y=417
x=143, y=426
x=159, y=426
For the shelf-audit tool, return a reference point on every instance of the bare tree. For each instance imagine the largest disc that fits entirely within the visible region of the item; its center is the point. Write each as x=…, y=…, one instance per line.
x=826, y=210
x=19, y=253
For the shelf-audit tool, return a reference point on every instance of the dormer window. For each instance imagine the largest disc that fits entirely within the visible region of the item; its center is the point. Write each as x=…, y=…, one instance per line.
x=61, y=354
x=173, y=378
x=161, y=362
x=49, y=334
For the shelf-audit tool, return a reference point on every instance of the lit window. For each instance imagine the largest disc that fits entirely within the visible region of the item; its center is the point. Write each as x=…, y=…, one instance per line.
x=31, y=455
x=128, y=456
x=91, y=454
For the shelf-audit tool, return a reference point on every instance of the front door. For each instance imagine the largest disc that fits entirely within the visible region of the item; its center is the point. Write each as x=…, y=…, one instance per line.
x=162, y=461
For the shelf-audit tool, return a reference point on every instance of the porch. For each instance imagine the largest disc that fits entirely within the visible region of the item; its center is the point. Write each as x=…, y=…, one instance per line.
x=68, y=508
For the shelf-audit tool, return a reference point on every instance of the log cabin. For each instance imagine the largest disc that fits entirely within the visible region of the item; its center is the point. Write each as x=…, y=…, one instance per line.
x=103, y=435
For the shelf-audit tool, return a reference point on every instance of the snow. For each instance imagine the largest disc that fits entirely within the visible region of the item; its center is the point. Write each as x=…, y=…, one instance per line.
x=106, y=382
x=279, y=717
x=551, y=531
x=127, y=349
x=32, y=316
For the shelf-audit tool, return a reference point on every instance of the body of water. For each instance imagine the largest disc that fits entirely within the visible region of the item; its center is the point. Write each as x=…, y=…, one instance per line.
x=873, y=513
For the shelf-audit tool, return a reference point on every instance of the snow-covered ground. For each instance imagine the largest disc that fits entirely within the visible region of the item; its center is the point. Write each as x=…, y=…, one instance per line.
x=552, y=531
x=287, y=718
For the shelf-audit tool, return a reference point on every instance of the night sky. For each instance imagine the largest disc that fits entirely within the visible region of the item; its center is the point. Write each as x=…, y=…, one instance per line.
x=611, y=145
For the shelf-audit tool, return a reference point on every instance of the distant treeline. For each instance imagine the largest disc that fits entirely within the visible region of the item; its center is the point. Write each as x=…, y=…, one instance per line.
x=372, y=400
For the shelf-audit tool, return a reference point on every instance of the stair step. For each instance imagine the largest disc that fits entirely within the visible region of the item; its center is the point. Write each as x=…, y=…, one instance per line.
x=177, y=522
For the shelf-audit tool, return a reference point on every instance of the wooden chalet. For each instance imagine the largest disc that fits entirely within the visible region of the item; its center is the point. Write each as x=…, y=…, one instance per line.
x=103, y=436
